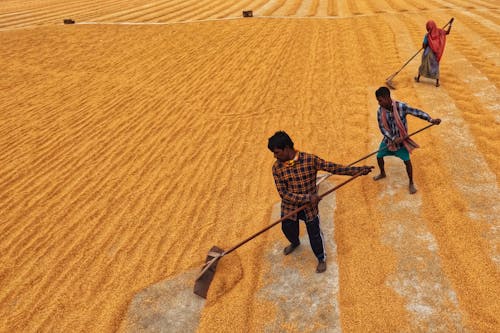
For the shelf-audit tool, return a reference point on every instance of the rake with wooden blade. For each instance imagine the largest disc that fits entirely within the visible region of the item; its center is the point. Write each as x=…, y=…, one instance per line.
x=215, y=254
x=389, y=82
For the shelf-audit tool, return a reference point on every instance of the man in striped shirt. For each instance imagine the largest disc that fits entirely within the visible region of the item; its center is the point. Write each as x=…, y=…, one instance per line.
x=294, y=173
x=391, y=117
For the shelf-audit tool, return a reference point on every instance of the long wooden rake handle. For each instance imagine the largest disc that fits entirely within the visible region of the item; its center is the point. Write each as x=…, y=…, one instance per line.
x=218, y=257
x=406, y=137
x=375, y=152
x=289, y=215
x=208, y=264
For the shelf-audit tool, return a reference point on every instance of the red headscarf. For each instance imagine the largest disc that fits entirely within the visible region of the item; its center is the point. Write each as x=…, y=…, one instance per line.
x=436, y=38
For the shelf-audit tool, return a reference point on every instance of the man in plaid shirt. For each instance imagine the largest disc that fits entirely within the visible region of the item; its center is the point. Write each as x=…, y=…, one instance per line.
x=294, y=173
x=391, y=117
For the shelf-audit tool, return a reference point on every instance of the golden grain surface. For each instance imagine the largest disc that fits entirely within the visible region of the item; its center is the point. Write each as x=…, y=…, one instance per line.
x=136, y=139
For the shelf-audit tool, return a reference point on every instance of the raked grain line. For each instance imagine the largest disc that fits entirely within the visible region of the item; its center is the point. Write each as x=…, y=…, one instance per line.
x=419, y=5
x=444, y=243
x=315, y=7
x=15, y=14
x=219, y=9
x=331, y=9
x=291, y=7
x=481, y=22
x=466, y=4
x=321, y=9
x=379, y=7
x=84, y=11
x=253, y=5
x=142, y=14
x=354, y=7
x=489, y=41
x=343, y=9
x=49, y=15
x=109, y=5
x=28, y=7
x=419, y=278
x=467, y=183
x=294, y=6
x=488, y=14
x=182, y=11
x=397, y=5
x=204, y=10
x=229, y=10
x=165, y=22
x=117, y=10
x=371, y=7
x=481, y=207
x=368, y=7
x=306, y=8
x=100, y=18
x=434, y=4
x=208, y=9
x=186, y=13
x=411, y=6
x=133, y=10
x=272, y=6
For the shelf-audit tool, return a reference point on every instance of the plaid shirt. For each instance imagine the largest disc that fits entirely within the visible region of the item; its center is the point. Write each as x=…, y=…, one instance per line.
x=296, y=183
x=403, y=110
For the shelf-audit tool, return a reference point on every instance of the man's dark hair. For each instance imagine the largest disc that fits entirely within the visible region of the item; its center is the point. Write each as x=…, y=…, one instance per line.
x=383, y=92
x=279, y=140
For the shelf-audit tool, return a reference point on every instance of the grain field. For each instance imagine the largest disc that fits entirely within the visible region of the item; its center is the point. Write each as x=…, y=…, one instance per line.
x=135, y=139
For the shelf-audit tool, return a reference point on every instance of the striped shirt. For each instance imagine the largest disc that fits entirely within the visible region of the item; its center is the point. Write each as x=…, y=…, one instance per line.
x=296, y=183
x=403, y=110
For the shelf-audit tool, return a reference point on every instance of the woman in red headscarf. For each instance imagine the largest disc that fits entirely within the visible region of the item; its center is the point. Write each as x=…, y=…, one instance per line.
x=433, y=45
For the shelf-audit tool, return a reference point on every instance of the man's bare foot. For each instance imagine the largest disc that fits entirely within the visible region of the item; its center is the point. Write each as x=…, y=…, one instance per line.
x=413, y=189
x=378, y=177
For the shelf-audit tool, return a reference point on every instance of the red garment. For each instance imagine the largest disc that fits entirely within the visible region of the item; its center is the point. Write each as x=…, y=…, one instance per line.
x=436, y=38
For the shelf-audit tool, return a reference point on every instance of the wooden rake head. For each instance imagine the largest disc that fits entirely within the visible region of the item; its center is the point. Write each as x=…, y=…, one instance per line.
x=207, y=273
